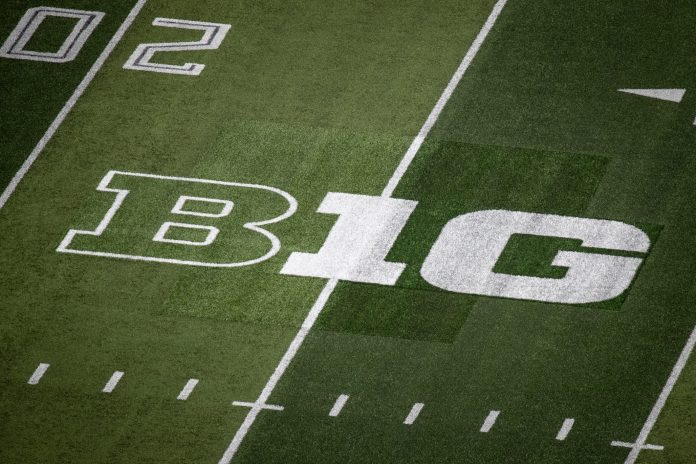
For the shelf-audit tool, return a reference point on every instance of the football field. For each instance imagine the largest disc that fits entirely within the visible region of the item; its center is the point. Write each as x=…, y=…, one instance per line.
x=318, y=231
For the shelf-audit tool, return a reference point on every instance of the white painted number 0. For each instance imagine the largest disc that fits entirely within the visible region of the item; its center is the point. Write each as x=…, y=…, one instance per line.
x=213, y=36
x=15, y=45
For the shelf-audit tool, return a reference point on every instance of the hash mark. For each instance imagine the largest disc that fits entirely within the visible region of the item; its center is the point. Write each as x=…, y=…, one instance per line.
x=338, y=405
x=413, y=415
x=490, y=421
x=565, y=429
x=188, y=388
x=38, y=373
x=113, y=381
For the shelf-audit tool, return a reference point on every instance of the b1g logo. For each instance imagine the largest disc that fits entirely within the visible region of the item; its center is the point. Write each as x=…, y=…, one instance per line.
x=178, y=220
x=224, y=228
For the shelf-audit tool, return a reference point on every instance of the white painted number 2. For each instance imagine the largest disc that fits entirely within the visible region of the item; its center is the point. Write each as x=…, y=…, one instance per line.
x=15, y=45
x=213, y=35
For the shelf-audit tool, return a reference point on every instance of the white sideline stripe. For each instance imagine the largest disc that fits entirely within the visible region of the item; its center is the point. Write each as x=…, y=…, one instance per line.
x=630, y=445
x=639, y=445
x=188, y=388
x=38, y=373
x=565, y=429
x=113, y=381
x=490, y=421
x=444, y=98
x=413, y=415
x=50, y=132
x=338, y=405
x=388, y=190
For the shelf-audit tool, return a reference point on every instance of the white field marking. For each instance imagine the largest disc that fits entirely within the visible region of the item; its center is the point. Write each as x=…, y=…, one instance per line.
x=490, y=421
x=38, y=373
x=591, y=277
x=413, y=414
x=357, y=246
x=50, y=132
x=86, y=22
x=246, y=404
x=672, y=95
x=213, y=36
x=121, y=195
x=187, y=390
x=639, y=445
x=338, y=405
x=178, y=208
x=623, y=444
x=279, y=371
x=160, y=236
x=565, y=429
x=387, y=192
x=444, y=98
x=113, y=381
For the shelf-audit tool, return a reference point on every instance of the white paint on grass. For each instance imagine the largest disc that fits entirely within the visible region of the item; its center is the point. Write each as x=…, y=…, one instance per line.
x=113, y=381
x=187, y=390
x=14, y=46
x=257, y=405
x=565, y=429
x=122, y=194
x=38, y=373
x=213, y=34
x=279, y=371
x=50, y=132
x=444, y=98
x=624, y=444
x=463, y=257
x=413, y=414
x=387, y=192
x=672, y=95
x=338, y=405
x=490, y=421
x=640, y=443
x=358, y=244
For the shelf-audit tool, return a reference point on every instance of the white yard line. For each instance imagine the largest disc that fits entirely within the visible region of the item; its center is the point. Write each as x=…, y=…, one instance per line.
x=113, y=381
x=187, y=390
x=38, y=373
x=338, y=405
x=387, y=192
x=490, y=421
x=565, y=429
x=413, y=414
x=640, y=443
x=50, y=132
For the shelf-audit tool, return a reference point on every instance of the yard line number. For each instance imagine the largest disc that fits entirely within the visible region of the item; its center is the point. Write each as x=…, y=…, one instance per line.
x=15, y=46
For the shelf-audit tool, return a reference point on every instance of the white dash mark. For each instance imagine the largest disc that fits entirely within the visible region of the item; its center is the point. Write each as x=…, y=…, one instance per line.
x=113, y=381
x=565, y=429
x=188, y=388
x=490, y=421
x=338, y=405
x=413, y=415
x=38, y=373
